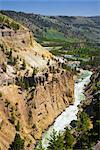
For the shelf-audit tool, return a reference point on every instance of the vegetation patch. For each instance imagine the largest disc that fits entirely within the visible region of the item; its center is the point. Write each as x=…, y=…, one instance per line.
x=17, y=144
x=52, y=34
x=10, y=23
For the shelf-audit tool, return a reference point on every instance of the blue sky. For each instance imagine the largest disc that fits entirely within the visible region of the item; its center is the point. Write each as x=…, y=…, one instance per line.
x=54, y=7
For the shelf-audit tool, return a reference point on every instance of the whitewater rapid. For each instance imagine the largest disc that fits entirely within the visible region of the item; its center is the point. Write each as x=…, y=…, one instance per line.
x=70, y=113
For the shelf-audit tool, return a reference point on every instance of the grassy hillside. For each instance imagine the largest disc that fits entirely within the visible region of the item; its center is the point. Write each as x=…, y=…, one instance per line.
x=52, y=34
x=78, y=36
x=10, y=23
x=60, y=27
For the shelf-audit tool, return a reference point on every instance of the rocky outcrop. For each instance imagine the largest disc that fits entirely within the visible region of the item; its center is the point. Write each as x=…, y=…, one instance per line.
x=51, y=99
x=29, y=105
x=91, y=108
x=93, y=86
x=35, y=110
x=23, y=45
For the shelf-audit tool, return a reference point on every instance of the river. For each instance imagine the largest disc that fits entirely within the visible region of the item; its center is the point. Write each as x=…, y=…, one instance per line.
x=70, y=112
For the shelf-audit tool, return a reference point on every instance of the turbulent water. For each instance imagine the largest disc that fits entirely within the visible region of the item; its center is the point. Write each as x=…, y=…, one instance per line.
x=71, y=112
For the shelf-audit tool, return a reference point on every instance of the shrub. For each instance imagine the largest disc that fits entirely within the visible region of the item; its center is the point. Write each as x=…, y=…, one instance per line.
x=69, y=139
x=17, y=144
x=84, y=122
x=4, y=67
x=35, y=71
x=39, y=146
x=34, y=126
x=56, y=142
x=17, y=126
x=7, y=103
x=14, y=25
x=23, y=65
x=0, y=94
x=1, y=19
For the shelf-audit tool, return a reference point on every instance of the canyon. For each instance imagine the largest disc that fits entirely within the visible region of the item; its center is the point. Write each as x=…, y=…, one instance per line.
x=70, y=113
x=34, y=87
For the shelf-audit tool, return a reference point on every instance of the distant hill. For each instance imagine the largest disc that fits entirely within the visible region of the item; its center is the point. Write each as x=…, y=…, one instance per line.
x=59, y=28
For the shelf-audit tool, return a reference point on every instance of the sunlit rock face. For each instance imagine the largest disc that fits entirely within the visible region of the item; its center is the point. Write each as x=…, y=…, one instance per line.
x=70, y=112
x=35, y=113
x=51, y=99
x=29, y=111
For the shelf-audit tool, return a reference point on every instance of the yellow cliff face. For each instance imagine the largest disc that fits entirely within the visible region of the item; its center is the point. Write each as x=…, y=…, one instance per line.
x=23, y=41
x=50, y=100
x=37, y=113
x=35, y=108
x=23, y=44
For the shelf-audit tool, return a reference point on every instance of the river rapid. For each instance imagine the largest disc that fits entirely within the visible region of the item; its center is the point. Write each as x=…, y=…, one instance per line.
x=70, y=112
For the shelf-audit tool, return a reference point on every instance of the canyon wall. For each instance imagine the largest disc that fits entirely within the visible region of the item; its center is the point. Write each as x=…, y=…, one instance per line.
x=35, y=110
x=27, y=107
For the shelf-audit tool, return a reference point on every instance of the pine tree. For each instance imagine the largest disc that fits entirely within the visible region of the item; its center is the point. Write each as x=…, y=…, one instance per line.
x=17, y=144
x=68, y=139
x=56, y=142
x=39, y=147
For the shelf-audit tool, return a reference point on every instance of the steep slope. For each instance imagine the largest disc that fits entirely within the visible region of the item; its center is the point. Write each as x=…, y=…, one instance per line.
x=89, y=138
x=22, y=44
x=34, y=89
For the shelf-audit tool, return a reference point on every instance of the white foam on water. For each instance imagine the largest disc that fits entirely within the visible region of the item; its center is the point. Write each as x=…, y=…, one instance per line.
x=70, y=112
